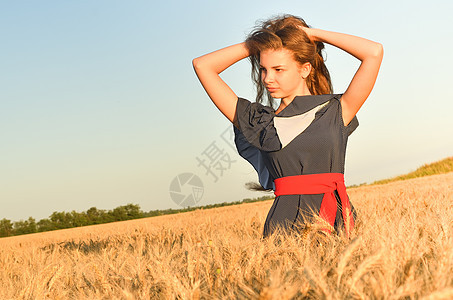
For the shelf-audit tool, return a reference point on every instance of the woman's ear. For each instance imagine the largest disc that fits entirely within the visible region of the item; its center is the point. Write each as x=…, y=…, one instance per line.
x=305, y=70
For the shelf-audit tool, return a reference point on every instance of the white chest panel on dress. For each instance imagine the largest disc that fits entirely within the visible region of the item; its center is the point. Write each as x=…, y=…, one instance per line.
x=290, y=127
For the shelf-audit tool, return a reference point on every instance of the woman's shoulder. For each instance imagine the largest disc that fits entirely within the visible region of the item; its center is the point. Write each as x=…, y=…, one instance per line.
x=335, y=111
x=256, y=122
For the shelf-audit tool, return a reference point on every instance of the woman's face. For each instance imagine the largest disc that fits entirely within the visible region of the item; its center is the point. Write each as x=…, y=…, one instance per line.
x=282, y=75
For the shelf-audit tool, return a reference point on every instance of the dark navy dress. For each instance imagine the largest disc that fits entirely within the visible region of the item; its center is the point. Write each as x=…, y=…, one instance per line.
x=306, y=137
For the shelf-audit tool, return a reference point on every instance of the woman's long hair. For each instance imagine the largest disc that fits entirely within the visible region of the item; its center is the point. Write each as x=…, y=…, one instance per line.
x=285, y=32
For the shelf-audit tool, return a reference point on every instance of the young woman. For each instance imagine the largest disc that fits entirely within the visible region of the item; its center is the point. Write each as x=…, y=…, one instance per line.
x=298, y=149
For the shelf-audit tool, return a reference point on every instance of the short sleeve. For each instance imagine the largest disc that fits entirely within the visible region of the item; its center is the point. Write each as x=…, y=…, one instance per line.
x=256, y=123
x=348, y=129
x=352, y=126
x=255, y=158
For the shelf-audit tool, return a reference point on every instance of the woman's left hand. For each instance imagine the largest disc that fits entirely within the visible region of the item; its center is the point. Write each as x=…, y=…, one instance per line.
x=308, y=32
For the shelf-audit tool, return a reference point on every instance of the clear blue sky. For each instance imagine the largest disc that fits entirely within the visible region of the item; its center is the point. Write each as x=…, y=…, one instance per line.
x=100, y=105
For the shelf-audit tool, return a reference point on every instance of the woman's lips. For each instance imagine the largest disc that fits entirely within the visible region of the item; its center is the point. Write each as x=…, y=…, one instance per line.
x=272, y=89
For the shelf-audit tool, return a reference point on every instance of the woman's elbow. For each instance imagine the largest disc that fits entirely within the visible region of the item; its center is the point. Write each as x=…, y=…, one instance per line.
x=196, y=62
x=379, y=51
x=199, y=65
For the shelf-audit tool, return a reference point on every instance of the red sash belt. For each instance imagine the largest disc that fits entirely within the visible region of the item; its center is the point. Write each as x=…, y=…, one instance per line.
x=325, y=183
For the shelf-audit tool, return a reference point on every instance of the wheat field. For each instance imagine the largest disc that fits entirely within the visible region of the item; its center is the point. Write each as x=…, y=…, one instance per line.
x=401, y=248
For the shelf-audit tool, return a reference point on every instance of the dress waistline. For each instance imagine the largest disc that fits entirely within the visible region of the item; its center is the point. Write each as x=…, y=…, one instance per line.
x=324, y=183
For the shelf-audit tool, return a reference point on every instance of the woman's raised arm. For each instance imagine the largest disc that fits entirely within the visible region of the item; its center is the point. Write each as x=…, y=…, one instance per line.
x=368, y=52
x=209, y=66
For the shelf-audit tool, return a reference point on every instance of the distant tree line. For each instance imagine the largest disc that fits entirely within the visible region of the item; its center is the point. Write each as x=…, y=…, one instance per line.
x=63, y=220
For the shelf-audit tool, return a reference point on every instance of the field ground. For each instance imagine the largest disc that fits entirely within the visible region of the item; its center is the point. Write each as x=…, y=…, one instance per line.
x=401, y=248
